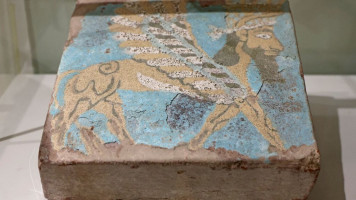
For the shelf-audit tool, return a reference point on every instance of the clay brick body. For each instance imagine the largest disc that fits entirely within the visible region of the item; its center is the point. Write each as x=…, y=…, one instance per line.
x=113, y=181
x=179, y=100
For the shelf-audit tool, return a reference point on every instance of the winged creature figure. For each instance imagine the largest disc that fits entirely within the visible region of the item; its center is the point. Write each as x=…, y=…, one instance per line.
x=167, y=57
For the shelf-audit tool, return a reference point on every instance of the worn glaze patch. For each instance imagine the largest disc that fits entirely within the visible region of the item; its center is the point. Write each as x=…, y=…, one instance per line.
x=167, y=74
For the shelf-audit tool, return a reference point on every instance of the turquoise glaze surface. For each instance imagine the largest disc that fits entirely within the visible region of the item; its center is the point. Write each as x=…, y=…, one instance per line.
x=209, y=77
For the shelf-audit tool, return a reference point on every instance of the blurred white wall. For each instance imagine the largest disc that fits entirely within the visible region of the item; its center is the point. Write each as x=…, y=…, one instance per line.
x=15, y=53
x=325, y=31
x=48, y=25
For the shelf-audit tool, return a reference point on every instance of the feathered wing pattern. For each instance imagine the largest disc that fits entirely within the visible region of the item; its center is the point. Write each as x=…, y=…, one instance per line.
x=165, y=42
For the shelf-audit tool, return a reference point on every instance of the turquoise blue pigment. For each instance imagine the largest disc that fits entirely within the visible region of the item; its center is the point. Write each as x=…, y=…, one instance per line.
x=149, y=116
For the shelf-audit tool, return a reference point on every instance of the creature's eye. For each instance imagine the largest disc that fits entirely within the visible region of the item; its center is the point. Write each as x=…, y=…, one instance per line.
x=264, y=36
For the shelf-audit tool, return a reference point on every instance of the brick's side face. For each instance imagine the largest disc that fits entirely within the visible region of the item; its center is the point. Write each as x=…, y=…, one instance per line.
x=111, y=181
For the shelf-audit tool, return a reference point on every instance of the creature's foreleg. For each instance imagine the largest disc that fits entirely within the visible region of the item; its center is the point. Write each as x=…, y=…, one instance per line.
x=215, y=121
x=255, y=114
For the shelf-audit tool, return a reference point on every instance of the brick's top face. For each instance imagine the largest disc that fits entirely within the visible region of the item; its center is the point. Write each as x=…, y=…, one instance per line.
x=179, y=81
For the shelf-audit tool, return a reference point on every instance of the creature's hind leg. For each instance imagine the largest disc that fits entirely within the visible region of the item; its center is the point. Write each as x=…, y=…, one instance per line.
x=117, y=125
x=111, y=108
x=215, y=121
x=255, y=114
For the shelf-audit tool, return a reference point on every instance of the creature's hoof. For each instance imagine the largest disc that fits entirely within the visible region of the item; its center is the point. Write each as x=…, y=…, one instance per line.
x=193, y=145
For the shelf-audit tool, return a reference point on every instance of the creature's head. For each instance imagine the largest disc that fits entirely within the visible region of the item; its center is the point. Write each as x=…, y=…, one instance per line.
x=257, y=40
x=256, y=32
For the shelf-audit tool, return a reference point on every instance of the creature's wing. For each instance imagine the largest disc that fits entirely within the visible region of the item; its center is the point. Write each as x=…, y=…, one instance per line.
x=165, y=41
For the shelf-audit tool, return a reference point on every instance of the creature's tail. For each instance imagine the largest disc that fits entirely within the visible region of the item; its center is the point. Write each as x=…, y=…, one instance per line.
x=58, y=138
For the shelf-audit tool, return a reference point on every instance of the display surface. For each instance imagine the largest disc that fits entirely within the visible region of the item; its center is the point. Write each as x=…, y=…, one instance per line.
x=186, y=82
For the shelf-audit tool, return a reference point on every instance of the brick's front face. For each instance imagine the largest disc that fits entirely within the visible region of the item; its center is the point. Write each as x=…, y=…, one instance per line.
x=191, y=89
